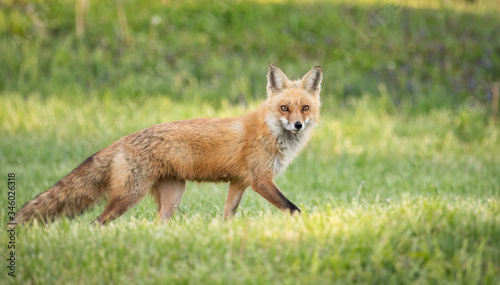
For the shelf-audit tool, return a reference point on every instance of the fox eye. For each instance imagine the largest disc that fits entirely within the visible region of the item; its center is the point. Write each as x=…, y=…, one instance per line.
x=284, y=108
x=305, y=108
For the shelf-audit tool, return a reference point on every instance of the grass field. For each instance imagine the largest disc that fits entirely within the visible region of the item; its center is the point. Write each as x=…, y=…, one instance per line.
x=399, y=185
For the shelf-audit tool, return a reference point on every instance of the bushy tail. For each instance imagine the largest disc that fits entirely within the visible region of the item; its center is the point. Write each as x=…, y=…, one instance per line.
x=80, y=189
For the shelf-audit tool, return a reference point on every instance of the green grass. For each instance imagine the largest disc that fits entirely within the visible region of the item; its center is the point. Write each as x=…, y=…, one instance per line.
x=399, y=184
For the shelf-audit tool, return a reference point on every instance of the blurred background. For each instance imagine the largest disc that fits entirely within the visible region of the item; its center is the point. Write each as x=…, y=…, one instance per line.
x=414, y=55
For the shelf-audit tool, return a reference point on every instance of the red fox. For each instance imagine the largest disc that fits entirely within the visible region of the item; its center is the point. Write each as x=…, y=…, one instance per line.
x=249, y=150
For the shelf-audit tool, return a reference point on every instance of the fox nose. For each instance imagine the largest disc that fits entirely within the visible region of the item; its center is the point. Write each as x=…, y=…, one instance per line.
x=298, y=125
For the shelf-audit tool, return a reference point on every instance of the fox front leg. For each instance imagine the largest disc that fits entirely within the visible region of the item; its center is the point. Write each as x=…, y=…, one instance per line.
x=233, y=199
x=268, y=189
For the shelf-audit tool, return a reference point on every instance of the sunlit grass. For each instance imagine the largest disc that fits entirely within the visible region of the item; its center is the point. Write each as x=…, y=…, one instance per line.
x=416, y=240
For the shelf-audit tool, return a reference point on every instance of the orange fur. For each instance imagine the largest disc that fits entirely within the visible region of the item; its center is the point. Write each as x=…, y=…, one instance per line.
x=249, y=150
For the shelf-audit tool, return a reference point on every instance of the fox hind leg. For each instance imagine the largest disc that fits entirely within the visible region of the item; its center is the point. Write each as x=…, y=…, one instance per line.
x=126, y=192
x=168, y=194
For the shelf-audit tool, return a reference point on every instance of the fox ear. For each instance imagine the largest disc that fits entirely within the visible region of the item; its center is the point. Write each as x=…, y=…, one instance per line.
x=311, y=82
x=276, y=80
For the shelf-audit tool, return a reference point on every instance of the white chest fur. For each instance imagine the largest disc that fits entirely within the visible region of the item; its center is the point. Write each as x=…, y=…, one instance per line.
x=289, y=146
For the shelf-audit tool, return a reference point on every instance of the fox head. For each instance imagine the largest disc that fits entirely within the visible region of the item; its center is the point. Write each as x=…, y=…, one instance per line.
x=294, y=105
